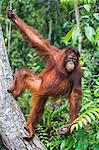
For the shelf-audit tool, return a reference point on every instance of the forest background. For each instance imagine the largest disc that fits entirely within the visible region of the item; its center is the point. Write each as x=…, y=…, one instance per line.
x=65, y=23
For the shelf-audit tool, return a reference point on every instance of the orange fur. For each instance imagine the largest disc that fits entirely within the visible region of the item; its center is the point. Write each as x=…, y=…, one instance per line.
x=54, y=80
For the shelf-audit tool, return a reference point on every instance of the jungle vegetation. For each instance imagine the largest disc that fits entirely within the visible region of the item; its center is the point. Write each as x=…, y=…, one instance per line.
x=66, y=23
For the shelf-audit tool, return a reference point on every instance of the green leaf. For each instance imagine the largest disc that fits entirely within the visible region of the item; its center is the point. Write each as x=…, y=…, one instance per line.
x=96, y=93
x=80, y=123
x=97, y=36
x=90, y=33
x=96, y=109
x=70, y=145
x=96, y=15
x=85, y=17
x=87, y=105
x=87, y=118
x=75, y=34
x=56, y=143
x=67, y=37
x=91, y=1
x=64, y=144
x=78, y=1
x=74, y=126
x=96, y=146
x=94, y=112
x=84, y=121
x=87, y=7
x=91, y=115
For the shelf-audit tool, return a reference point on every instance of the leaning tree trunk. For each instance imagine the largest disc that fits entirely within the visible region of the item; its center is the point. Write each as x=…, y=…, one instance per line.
x=12, y=121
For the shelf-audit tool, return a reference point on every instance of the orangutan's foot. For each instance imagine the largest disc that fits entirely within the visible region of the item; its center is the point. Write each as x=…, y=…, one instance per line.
x=30, y=130
x=64, y=129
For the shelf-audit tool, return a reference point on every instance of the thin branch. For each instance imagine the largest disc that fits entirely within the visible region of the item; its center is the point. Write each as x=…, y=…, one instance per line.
x=9, y=31
x=50, y=29
x=77, y=15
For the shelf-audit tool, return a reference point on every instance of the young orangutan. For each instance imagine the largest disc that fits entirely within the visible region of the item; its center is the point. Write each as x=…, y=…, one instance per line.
x=61, y=76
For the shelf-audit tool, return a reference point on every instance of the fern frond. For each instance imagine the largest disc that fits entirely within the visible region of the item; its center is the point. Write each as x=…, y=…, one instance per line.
x=60, y=110
x=85, y=118
x=42, y=134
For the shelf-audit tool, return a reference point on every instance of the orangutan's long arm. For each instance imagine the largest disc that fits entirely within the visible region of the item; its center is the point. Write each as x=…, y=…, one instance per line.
x=75, y=102
x=37, y=41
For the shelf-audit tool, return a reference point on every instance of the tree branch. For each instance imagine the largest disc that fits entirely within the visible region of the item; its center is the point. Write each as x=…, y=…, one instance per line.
x=77, y=15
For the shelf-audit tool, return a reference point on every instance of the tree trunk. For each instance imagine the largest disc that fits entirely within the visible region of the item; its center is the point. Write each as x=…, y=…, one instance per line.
x=78, y=25
x=12, y=121
x=50, y=29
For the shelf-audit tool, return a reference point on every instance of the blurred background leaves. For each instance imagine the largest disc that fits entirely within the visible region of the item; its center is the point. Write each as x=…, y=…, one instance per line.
x=57, y=21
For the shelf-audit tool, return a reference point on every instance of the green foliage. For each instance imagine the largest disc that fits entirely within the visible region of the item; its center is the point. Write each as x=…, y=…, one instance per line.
x=67, y=37
x=78, y=1
x=85, y=118
x=72, y=34
x=87, y=7
x=90, y=33
x=23, y=101
x=38, y=14
x=60, y=110
x=43, y=135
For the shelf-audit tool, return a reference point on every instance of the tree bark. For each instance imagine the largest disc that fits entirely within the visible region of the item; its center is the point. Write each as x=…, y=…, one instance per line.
x=12, y=121
x=78, y=25
x=50, y=29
